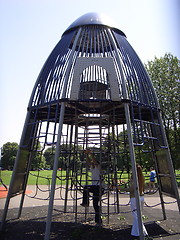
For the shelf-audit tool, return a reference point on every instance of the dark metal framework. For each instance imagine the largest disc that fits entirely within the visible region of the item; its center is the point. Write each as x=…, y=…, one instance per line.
x=93, y=86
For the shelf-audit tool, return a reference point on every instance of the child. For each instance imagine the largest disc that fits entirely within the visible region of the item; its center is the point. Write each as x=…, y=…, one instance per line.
x=152, y=179
x=95, y=187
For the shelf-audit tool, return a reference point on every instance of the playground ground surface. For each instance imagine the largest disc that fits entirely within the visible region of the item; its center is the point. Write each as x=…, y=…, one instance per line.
x=31, y=224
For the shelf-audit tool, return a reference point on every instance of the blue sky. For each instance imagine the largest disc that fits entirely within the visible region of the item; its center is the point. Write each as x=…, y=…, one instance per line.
x=30, y=29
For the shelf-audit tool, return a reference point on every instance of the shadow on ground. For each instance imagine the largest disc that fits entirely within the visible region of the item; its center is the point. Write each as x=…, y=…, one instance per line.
x=31, y=226
x=34, y=229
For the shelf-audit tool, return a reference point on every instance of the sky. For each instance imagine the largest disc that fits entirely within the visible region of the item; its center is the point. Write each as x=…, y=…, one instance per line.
x=30, y=29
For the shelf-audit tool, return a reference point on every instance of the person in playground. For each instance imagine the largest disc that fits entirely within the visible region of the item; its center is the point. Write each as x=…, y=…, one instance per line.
x=152, y=180
x=96, y=186
x=141, y=182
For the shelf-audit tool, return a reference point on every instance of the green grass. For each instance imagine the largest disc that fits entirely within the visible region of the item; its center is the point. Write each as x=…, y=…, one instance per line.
x=44, y=177
x=35, y=177
x=6, y=176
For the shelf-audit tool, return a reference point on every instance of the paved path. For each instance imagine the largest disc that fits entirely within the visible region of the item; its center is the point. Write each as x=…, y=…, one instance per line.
x=39, y=197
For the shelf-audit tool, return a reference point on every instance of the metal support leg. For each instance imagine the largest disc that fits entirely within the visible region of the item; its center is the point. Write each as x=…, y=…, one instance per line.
x=133, y=161
x=61, y=119
x=170, y=165
x=53, y=185
x=14, y=176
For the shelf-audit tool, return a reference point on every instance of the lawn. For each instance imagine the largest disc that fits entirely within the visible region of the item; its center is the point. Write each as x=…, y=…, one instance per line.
x=43, y=177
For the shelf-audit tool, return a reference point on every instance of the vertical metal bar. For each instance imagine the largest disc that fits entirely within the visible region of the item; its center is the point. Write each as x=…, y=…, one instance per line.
x=86, y=133
x=61, y=119
x=170, y=164
x=24, y=189
x=109, y=177
x=76, y=164
x=68, y=169
x=27, y=174
x=100, y=186
x=14, y=173
x=124, y=90
x=133, y=161
x=55, y=167
x=115, y=159
x=131, y=146
x=158, y=180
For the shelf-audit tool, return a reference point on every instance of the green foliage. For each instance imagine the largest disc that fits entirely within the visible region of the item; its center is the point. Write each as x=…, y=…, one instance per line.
x=144, y=217
x=165, y=75
x=68, y=155
x=121, y=218
x=118, y=145
x=38, y=160
x=49, y=156
x=9, y=155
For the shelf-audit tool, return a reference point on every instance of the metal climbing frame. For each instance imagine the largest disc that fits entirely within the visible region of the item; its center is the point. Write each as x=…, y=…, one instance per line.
x=93, y=91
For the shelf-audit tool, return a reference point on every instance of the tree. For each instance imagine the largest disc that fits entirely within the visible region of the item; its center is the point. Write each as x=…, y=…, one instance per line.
x=68, y=156
x=9, y=155
x=38, y=160
x=49, y=154
x=117, y=148
x=165, y=75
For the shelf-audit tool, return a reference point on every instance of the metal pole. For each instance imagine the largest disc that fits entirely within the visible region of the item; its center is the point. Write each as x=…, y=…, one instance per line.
x=131, y=146
x=24, y=189
x=61, y=119
x=174, y=182
x=133, y=161
x=158, y=180
x=14, y=173
x=68, y=171
x=55, y=167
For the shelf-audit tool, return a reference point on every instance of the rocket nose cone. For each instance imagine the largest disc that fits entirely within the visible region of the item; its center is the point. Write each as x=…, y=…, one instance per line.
x=93, y=18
